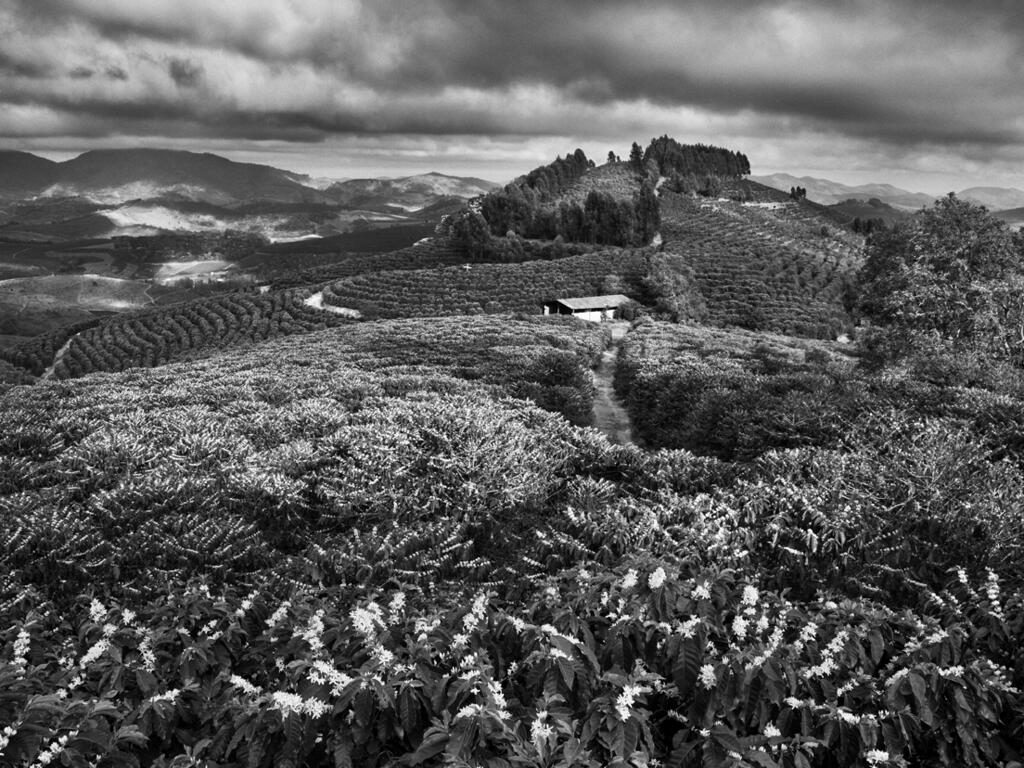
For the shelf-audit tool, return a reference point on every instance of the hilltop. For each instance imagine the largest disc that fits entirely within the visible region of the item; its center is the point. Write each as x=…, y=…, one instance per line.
x=411, y=193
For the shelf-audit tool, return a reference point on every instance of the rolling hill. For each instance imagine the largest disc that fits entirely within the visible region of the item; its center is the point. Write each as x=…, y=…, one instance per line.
x=994, y=198
x=23, y=173
x=412, y=193
x=113, y=176
x=830, y=192
x=867, y=210
x=118, y=175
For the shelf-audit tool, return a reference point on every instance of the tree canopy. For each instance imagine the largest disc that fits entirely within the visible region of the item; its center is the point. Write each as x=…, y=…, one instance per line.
x=699, y=159
x=952, y=278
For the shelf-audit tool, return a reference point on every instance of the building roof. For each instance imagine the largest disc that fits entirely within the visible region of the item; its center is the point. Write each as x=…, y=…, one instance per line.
x=595, y=302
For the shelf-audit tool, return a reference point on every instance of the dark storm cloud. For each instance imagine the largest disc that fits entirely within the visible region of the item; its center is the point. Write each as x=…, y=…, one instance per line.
x=913, y=73
x=12, y=66
x=185, y=73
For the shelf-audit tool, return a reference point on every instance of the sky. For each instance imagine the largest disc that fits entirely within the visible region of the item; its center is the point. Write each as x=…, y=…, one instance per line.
x=923, y=94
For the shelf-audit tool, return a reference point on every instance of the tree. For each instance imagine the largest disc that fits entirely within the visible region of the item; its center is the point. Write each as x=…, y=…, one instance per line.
x=710, y=186
x=648, y=213
x=636, y=157
x=468, y=230
x=950, y=280
x=671, y=289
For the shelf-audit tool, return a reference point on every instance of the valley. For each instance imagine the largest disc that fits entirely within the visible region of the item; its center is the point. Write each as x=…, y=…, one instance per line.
x=174, y=226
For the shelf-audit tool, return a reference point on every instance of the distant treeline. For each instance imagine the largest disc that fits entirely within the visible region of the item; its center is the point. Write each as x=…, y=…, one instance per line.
x=697, y=159
x=231, y=244
x=548, y=182
x=530, y=205
x=527, y=207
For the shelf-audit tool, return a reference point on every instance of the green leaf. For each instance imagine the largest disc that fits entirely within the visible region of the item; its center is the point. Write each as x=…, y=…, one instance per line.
x=687, y=666
x=146, y=682
x=727, y=739
x=408, y=710
x=132, y=735
x=461, y=739
x=761, y=758
x=568, y=674
x=343, y=753
x=920, y=688
x=434, y=742
x=680, y=753
x=877, y=643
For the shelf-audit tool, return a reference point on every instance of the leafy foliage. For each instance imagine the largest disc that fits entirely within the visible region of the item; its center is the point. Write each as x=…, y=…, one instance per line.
x=950, y=280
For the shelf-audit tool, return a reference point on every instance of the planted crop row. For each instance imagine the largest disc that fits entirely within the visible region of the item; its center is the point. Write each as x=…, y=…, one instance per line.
x=158, y=336
x=487, y=288
x=298, y=269
x=757, y=271
x=36, y=354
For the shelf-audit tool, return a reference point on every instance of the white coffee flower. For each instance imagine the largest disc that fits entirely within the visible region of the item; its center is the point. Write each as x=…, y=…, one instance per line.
x=657, y=578
x=707, y=676
x=630, y=579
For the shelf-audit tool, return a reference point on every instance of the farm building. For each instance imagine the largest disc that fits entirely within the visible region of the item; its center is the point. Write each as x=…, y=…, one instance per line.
x=595, y=308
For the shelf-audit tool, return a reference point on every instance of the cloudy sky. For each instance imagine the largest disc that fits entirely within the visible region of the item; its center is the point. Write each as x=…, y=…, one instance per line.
x=925, y=94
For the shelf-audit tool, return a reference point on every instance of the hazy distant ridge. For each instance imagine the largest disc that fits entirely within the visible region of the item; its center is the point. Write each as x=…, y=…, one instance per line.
x=410, y=193
x=830, y=192
x=118, y=175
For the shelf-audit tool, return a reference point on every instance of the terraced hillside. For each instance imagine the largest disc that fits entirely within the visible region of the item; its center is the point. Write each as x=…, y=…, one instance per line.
x=488, y=288
x=302, y=269
x=766, y=266
x=165, y=334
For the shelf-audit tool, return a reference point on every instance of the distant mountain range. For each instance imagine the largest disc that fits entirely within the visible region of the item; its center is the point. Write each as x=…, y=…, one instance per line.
x=830, y=192
x=145, y=191
x=117, y=176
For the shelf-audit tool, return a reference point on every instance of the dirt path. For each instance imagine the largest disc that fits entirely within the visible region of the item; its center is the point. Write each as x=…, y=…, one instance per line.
x=609, y=415
x=48, y=373
x=316, y=301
